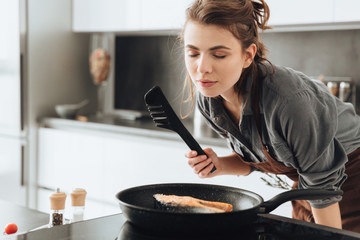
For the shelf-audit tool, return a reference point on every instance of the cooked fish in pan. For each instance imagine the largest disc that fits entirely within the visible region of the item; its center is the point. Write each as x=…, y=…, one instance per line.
x=176, y=203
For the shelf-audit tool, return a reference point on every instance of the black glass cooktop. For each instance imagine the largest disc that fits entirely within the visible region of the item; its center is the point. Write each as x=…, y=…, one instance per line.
x=115, y=227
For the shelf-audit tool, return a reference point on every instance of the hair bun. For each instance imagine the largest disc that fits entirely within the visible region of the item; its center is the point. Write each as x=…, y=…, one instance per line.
x=261, y=13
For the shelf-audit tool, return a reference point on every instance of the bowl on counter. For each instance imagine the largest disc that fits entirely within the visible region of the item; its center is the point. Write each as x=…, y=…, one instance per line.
x=69, y=111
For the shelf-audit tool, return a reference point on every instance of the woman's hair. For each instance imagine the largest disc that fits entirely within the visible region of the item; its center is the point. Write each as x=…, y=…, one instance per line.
x=243, y=18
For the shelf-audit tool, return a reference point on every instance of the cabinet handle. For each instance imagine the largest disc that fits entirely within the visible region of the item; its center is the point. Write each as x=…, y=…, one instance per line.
x=22, y=91
x=22, y=162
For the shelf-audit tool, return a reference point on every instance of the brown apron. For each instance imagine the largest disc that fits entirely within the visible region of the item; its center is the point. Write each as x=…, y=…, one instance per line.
x=349, y=205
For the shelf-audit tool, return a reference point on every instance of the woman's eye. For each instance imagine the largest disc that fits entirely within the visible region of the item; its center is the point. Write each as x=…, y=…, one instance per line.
x=218, y=54
x=192, y=54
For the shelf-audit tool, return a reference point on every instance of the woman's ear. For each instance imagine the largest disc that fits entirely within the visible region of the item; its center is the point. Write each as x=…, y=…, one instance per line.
x=249, y=55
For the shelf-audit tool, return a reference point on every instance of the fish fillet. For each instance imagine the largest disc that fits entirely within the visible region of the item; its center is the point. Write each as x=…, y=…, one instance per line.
x=196, y=205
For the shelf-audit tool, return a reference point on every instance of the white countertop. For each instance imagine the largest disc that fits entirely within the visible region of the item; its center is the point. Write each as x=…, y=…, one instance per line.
x=140, y=127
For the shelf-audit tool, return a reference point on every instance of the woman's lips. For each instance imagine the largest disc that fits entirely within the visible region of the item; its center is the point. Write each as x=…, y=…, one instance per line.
x=206, y=83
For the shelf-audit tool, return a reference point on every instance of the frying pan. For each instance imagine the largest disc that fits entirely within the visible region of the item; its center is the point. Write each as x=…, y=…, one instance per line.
x=138, y=206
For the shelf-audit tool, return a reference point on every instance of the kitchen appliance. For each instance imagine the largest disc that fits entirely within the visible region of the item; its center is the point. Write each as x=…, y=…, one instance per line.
x=141, y=62
x=138, y=206
x=115, y=227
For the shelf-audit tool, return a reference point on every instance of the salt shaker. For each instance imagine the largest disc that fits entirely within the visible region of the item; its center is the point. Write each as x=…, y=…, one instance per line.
x=78, y=204
x=57, y=201
x=344, y=91
x=333, y=87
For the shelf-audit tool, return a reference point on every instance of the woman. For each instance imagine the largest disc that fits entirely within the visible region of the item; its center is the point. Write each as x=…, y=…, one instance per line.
x=275, y=119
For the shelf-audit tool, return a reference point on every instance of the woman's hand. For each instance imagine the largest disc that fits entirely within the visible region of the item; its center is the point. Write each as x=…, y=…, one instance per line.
x=227, y=165
x=203, y=164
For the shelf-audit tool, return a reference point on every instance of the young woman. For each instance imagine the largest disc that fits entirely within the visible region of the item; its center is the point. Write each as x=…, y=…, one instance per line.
x=275, y=119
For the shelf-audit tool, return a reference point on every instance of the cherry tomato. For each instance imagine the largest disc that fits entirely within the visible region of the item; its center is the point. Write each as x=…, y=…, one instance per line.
x=11, y=228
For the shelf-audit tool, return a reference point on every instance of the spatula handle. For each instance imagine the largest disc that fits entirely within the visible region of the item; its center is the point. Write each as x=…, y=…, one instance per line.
x=193, y=144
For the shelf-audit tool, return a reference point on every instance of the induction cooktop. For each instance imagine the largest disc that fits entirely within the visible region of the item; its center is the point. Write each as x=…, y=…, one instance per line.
x=115, y=227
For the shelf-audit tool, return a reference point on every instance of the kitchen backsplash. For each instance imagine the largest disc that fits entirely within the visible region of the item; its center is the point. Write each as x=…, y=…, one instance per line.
x=329, y=53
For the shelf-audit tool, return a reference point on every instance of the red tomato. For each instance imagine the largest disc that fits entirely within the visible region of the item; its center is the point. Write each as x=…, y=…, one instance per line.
x=11, y=228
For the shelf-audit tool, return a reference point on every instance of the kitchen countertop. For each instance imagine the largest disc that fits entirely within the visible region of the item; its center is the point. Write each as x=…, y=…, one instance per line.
x=139, y=127
x=25, y=218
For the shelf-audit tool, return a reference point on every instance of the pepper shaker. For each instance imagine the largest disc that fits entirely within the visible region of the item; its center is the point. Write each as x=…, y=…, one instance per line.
x=344, y=91
x=78, y=204
x=333, y=87
x=57, y=201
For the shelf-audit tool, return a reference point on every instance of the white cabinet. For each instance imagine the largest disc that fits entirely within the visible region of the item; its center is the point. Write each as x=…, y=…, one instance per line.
x=106, y=15
x=11, y=171
x=300, y=11
x=10, y=82
x=106, y=163
x=157, y=15
x=314, y=14
x=128, y=15
x=163, y=14
x=346, y=10
x=70, y=160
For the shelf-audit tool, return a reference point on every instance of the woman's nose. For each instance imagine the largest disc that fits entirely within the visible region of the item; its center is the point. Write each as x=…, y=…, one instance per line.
x=204, y=65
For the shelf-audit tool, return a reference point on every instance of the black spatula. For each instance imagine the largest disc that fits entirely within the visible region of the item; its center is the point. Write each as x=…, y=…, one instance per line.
x=164, y=116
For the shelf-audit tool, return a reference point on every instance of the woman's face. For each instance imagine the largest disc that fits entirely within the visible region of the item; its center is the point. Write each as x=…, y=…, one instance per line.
x=214, y=58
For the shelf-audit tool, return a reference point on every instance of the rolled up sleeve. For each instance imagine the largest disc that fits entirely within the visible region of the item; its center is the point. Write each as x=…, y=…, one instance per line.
x=309, y=125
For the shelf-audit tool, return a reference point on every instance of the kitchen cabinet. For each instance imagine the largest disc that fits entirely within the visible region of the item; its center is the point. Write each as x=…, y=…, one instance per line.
x=313, y=15
x=106, y=163
x=159, y=15
x=12, y=132
x=300, y=11
x=346, y=10
x=128, y=15
x=106, y=15
x=12, y=170
x=163, y=14
x=29, y=89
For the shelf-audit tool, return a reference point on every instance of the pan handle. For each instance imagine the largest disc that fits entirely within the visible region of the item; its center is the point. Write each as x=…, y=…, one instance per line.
x=298, y=194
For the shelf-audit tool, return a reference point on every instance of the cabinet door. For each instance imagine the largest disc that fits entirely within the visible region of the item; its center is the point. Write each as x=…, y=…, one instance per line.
x=346, y=10
x=300, y=11
x=106, y=15
x=163, y=14
x=69, y=160
x=10, y=90
x=128, y=15
x=11, y=170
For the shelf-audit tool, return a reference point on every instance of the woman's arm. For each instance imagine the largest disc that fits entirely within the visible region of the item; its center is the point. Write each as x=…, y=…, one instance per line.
x=228, y=165
x=232, y=165
x=328, y=216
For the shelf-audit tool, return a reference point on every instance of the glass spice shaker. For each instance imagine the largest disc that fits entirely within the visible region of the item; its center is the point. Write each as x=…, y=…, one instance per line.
x=78, y=204
x=344, y=91
x=57, y=201
x=333, y=87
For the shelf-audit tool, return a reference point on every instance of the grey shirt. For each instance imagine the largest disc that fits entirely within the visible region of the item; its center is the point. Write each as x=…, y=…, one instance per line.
x=303, y=125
